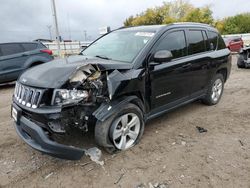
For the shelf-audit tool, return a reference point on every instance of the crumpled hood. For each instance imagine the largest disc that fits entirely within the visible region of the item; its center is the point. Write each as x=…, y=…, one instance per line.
x=55, y=73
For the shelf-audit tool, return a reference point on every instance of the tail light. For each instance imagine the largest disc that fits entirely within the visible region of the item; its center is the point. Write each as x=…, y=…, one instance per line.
x=47, y=51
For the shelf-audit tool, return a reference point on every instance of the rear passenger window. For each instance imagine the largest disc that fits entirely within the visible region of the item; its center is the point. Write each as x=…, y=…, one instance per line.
x=174, y=42
x=10, y=49
x=196, y=42
x=213, y=38
x=29, y=46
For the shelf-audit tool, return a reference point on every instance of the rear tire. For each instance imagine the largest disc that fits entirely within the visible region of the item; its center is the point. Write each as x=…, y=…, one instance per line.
x=122, y=130
x=241, y=66
x=215, y=90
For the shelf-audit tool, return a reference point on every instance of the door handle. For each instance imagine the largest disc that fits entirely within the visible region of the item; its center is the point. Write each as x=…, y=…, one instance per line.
x=186, y=66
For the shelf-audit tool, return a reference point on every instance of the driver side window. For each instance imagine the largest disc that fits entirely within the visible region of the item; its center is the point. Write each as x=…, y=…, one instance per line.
x=175, y=42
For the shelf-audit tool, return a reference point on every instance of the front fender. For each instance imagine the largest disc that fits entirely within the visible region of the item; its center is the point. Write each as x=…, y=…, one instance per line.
x=107, y=109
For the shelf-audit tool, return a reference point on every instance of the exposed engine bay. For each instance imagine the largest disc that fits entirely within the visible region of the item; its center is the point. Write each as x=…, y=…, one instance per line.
x=89, y=78
x=91, y=85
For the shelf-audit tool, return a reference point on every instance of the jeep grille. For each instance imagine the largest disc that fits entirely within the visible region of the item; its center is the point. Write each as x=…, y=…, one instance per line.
x=28, y=96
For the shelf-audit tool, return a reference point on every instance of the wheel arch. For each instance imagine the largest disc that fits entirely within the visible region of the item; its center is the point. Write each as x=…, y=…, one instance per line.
x=107, y=109
x=36, y=63
x=35, y=60
x=224, y=73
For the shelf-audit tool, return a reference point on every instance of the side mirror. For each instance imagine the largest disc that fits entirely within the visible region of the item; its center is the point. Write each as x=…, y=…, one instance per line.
x=163, y=56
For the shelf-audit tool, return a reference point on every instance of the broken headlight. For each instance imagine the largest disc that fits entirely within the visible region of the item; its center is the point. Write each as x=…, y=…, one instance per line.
x=64, y=96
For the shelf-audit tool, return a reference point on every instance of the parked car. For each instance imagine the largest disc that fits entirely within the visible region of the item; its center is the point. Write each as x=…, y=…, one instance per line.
x=234, y=44
x=118, y=83
x=244, y=58
x=17, y=57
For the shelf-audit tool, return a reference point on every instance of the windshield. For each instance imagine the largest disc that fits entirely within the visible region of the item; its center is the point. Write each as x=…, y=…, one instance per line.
x=119, y=45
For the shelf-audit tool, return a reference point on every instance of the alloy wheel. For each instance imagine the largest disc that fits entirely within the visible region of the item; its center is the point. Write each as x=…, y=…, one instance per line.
x=125, y=130
x=217, y=90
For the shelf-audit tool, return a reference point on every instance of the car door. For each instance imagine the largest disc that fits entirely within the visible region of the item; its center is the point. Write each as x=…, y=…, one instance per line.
x=170, y=82
x=12, y=60
x=198, y=53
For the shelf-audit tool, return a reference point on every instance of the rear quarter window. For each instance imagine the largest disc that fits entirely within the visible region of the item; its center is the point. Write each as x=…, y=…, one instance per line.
x=10, y=49
x=213, y=38
x=29, y=46
x=221, y=43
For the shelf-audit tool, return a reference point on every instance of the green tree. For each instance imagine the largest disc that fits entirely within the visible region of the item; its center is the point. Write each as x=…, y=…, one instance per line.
x=183, y=11
x=219, y=24
x=128, y=21
x=237, y=24
x=169, y=12
x=201, y=15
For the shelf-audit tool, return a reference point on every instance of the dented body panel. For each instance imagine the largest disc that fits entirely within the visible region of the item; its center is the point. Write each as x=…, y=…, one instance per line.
x=55, y=74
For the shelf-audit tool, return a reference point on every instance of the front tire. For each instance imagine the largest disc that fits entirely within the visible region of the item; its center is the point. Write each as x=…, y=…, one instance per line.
x=215, y=90
x=122, y=130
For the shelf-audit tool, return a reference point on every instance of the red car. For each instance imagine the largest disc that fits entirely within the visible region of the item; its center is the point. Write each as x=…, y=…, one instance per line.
x=234, y=44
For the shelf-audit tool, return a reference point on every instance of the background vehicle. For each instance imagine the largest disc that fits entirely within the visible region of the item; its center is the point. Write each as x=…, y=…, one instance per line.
x=234, y=44
x=17, y=57
x=244, y=58
x=119, y=82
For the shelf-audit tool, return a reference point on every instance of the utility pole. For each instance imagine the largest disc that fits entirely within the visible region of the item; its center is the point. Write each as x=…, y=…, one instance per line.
x=53, y=6
x=69, y=29
x=85, y=35
x=50, y=34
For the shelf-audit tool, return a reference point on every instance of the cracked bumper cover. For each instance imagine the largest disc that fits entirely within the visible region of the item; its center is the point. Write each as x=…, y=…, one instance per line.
x=37, y=138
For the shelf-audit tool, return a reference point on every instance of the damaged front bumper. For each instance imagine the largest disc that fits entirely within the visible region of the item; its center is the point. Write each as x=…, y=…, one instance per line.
x=36, y=137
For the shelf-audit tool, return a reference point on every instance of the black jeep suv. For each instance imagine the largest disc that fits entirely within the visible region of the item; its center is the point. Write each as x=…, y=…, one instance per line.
x=119, y=82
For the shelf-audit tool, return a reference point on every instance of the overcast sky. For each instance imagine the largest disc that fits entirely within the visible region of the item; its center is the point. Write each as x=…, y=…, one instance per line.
x=26, y=20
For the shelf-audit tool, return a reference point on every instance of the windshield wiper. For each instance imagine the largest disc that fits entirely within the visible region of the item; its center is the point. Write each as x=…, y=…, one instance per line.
x=103, y=57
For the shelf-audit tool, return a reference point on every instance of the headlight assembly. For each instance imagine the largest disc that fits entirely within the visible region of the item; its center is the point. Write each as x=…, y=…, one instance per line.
x=64, y=96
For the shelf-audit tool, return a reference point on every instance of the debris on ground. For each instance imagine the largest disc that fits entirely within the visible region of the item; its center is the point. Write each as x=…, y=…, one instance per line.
x=241, y=143
x=142, y=185
x=119, y=179
x=84, y=164
x=95, y=155
x=90, y=169
x=157, y=185
x=181, y=135
x=50, y=174
x=183, y=143
x=201, y=129
x=210, y=157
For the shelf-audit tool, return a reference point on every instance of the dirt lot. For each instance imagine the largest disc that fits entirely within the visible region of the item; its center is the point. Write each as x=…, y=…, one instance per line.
x=171, y=151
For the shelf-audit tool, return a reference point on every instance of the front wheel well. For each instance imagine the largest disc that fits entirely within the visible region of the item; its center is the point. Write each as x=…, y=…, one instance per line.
x=36, y=63
x=223, y=72
x=137, y=101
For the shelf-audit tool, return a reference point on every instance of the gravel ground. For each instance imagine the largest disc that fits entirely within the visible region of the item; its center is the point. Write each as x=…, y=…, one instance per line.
x=172, y=153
